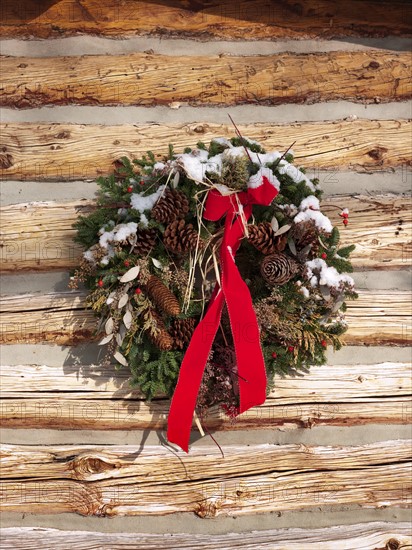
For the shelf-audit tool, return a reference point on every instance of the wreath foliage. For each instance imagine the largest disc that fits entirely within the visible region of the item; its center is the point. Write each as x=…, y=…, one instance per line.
x=152, y=261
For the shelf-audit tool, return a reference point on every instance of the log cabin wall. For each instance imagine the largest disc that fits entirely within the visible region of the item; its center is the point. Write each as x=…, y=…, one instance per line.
x=325, y=462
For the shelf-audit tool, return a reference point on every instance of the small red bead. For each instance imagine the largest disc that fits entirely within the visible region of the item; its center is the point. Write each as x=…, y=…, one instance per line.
x=324, y=344
x=100, y=283
x=290, y=349
x=324, y=256
x=126, y=263
x=129, y=189
x=345, y=221
x=274, y=355
x=138, y=291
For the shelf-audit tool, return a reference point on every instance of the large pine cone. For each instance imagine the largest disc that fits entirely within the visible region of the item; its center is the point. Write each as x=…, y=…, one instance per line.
x=164, y=299
x=180, y=237
x=171, y=206
x=278, y=269
x=304, y=234
x=181, y=331
x=263, y=238
x=145, y=241
x=159, y=335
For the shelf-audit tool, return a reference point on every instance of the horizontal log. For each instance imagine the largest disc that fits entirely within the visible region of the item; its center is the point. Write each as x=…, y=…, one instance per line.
x=363, y=536
x=148, y=79
x=99, y=397
x=376, y=318
x=39, y=236
x=70, y=151
x=249, y=20
x=130, y=480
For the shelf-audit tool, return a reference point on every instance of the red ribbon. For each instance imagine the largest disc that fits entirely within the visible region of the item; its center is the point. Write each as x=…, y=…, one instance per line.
x=245, y=330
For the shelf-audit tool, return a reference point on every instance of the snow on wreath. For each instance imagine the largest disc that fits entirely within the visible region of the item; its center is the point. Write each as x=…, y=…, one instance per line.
x=211, y=272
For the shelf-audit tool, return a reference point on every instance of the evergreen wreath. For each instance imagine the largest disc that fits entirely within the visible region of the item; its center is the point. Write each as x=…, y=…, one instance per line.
x=152, y=261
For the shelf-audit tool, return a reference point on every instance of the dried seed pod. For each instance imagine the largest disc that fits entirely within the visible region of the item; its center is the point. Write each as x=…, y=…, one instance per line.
x=164, y=299
x=171, y=206
x=180, y=237
x=145, y=241
x=158, y=333
x=278, y=269
x=182, y=331
x=263, y=238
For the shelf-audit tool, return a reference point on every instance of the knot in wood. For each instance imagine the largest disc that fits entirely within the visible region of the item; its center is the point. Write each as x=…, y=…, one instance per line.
x=6, y=160
x=206, y=509
x=86, y=466
x=392, y=544
x=377, y=153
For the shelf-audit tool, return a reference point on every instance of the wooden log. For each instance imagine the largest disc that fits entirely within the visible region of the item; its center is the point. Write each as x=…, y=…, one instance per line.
x=131, y=480
x=362, y=536
x=249, y=20
x=376, y=318
x=149, y=79
x=99, y=397
x=70, y=151
x=39, y=236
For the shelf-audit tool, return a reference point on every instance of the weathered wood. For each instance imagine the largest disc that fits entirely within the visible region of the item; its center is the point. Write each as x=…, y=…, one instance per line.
x=376, y=318
x=38, y=236
x=99, y=397
x=269, y=80
x=70, y=151
x=130, y=480
x=363, y=536
x=249, y=20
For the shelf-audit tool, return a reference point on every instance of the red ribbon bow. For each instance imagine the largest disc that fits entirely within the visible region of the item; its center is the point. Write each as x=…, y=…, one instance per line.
x=234, y=291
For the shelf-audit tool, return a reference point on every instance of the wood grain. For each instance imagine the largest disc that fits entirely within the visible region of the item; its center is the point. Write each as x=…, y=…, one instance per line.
x=99, y=397
x=39, y=236
x=130, y=480
x=248, y=20
x=150, y=80
x=69, y=151
x=377, y=318
x=364, y=536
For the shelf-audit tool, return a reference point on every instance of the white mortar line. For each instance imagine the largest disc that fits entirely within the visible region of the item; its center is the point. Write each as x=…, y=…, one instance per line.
x=95, y=45
x=243, y=114
x=57, y=281
x=190, y=523
x=333, y=182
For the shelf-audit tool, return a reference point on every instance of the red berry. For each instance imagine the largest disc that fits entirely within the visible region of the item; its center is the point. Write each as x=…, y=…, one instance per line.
x=324, y=344
x=138, y=291
x=130, y=189
x=345, y=221
x=274, y=355
x=126, y=263
x=291, y=349
x=100, y=283
x=324, y=256
x=141, y=182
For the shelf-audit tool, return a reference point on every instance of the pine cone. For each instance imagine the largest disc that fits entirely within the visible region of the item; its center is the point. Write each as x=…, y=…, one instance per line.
x=159, y=335
x=164, y=299
x=145, y=241
x=278, y=269
x=304, y=234
x=171, y=206
x=263, y=238
x=180, y=237
x=181, y=331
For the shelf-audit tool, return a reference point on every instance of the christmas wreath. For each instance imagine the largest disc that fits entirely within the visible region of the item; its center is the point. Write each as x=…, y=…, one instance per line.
x=212, y=271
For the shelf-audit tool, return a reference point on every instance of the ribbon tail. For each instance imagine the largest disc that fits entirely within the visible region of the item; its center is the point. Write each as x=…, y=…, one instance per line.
x=246, y=337
x=184, y=398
